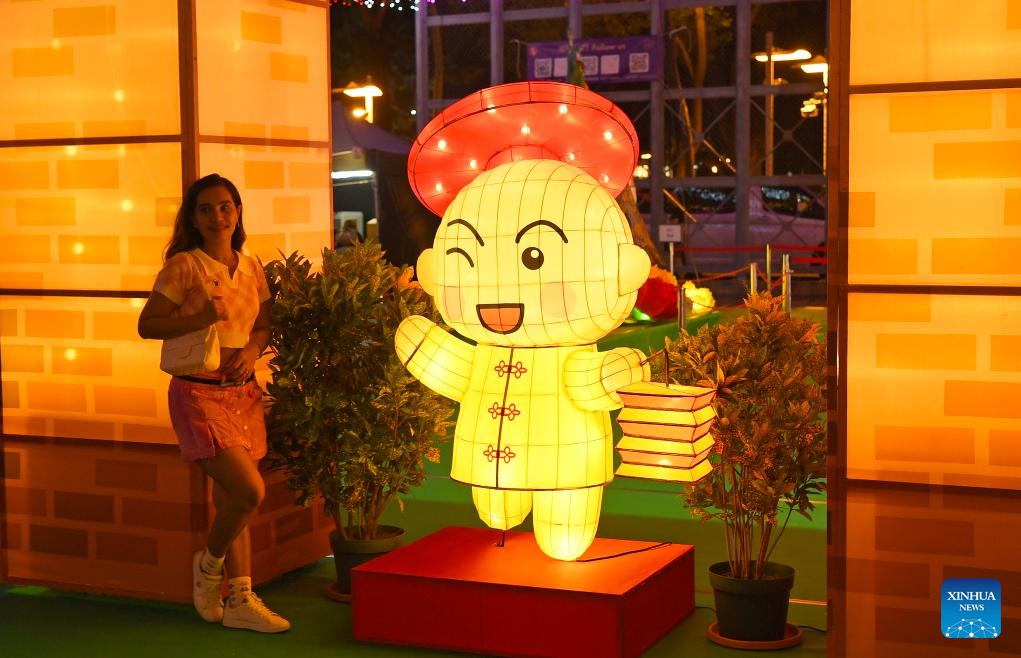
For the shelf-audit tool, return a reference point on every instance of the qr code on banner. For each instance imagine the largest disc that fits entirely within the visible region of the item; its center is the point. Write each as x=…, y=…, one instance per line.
x=638, y=62
x=543, y=68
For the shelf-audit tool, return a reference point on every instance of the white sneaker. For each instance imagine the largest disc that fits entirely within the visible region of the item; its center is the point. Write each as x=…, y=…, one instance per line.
x=205, y=591
x=253, y=615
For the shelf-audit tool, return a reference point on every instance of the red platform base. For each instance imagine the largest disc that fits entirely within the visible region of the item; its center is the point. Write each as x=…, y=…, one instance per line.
x=456, y=589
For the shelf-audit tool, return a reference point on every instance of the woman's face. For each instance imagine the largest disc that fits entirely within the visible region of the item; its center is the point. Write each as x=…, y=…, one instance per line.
x=216, y=216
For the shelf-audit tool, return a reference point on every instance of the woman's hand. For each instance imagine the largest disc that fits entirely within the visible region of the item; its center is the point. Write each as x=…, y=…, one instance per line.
x=240, y=365
x=214, y=310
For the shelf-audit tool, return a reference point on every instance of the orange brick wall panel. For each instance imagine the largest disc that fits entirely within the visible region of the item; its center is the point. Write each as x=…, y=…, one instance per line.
x=261, y=535
x=54, y=211
x=295, y=524
x=126, y=519
x=107, y=128
x=292, y=210
x=1005, y=354
x=126, y=475
x=22, y=358
x=938, y=112
x=26, y=501
x=925, y=351
x=84, y=21
x=28, y=175
x=861, y=209
x=288, y=67
x=93, y=361
x=907, y=579
x=80, y=506
x=299, y=133
x=264, y=175
x=990, y=159
x=121, y=547
x=114, y=325
x=921, y=536
x=899, y=626
x=156, y=434
x=83, y=429
x=126, y=401
x=996, y=256
x=983, y=398
x=307, y=175
x=12, y=465
x=1005, y=448
x=895, y=535
x=43, y=396
x=40, y=323
x=938, y=444
x=11, y=393
x=13, y=535
x=883, y=257
x=58, y=540
x=88, y=174
x=278, y=497
x=40, y=62
x=1012, y=207
x=169, y=516
x=89, y=249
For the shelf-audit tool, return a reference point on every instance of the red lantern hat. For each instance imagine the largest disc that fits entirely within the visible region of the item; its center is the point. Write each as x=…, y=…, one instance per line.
x=518, y=121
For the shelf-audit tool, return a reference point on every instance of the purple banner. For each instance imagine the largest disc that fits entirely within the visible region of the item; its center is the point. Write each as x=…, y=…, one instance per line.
x=613, y=59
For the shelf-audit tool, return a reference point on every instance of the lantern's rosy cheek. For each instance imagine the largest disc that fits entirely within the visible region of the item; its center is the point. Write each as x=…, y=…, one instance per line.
x=558, y=300
x=453, y=304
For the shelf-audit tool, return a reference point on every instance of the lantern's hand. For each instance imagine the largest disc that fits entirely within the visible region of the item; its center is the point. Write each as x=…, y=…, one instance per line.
x=438, y=359
x=592, y=379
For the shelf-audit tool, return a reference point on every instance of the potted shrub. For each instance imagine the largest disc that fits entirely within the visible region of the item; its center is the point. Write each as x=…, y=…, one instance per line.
x=769, y=370
x=345, y=420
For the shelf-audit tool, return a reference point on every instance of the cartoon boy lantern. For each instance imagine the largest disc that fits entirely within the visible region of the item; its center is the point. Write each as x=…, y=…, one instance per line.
x=533, y=262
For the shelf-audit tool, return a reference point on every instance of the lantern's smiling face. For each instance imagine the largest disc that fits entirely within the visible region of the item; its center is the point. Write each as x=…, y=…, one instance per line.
x=533, y=253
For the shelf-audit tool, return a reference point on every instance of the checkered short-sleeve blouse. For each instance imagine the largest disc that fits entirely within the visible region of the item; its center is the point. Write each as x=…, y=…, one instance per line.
x=188, y=281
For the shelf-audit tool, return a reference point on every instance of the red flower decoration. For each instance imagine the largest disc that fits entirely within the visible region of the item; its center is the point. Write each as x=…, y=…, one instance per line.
x=657, y=298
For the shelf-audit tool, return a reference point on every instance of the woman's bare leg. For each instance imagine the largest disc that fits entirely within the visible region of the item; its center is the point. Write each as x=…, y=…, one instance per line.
x=238, y=489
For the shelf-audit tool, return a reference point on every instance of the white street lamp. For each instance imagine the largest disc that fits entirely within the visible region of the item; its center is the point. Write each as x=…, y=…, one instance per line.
x=368, y=91
x=818, y=64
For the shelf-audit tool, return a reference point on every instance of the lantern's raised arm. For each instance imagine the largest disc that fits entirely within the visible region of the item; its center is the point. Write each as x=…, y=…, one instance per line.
x=439, y=360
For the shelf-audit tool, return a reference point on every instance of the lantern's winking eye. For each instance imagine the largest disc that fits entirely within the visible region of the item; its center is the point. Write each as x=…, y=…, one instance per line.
x=532, y=258
x=458, y=250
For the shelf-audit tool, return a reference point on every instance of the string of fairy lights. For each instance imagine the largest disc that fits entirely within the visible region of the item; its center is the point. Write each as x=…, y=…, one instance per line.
x=399, y=5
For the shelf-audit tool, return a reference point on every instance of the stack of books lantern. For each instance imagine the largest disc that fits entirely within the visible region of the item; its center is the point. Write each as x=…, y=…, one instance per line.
x=666, y=431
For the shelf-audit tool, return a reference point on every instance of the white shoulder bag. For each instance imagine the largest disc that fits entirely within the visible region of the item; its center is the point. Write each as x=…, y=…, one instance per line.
x=197, y=351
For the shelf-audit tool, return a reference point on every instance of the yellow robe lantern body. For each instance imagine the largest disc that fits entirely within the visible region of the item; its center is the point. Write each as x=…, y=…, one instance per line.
x=534, y=262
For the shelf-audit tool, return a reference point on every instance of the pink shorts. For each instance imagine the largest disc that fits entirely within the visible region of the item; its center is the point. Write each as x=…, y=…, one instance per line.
x=207, y=417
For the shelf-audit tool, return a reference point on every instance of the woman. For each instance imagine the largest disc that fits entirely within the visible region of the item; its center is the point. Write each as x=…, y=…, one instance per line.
x=218, y=416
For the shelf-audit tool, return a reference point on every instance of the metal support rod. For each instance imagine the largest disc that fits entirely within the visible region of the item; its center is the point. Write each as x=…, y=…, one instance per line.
x=769, y=104
x=753, y=277
x=786, y=285
x=769, y=266
x=682, y=321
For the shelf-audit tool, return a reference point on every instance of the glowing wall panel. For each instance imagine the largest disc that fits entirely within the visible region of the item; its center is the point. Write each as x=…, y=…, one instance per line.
x=931, y=40
x=286, y=194
x=92, y=217
x=933, y=384
x=951, y=214
x=281, y=45
x=89, y=68
x=75, y=367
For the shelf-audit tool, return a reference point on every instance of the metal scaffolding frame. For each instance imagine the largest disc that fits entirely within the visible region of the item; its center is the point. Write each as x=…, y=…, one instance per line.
x=655, y=96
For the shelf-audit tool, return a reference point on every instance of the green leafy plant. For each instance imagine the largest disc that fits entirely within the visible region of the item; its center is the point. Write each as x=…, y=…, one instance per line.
x=346, y=421
x=769, y=370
